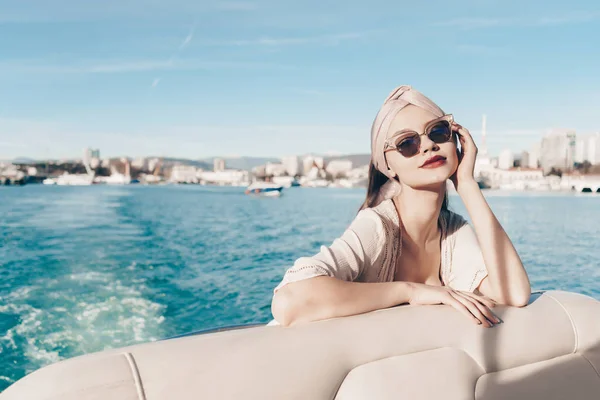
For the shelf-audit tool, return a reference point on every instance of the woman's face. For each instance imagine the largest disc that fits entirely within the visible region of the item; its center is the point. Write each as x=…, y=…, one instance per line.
x=411, y=171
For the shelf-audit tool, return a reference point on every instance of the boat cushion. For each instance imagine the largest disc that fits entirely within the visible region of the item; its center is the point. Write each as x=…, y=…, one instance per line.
x=547, y=350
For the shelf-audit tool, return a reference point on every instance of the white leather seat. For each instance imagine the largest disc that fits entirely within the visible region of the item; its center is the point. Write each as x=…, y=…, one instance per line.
x=547, y=350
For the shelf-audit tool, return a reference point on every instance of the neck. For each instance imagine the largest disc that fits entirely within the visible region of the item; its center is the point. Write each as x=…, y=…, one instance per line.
x=419, y=210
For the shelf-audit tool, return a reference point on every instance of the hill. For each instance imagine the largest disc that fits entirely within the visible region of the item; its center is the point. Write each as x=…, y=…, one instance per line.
x=358, y=160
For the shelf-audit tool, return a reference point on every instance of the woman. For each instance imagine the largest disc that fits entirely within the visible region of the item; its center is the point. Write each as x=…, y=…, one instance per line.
x=405, y=246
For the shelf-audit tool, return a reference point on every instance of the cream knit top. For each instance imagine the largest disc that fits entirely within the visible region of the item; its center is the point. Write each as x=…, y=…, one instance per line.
x=369, y=248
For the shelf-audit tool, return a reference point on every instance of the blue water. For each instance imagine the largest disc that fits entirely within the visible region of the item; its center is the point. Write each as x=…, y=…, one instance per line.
x=84, y=269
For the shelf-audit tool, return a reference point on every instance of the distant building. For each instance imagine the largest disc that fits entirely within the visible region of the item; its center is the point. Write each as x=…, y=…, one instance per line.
x=484, y=150
x=259, y=171
x=594, y=148
x=184, y=174
x=516, y=178
x=139, y=163
x=587, y=148
x=580, y=149
x=483, y=162
x=218, y=165
x=92, y=153
x=524, y=162
x=224, y=178
x=307, y=164
x=275, y=169
x=91, y=157
x=152, y=164
x=339, y=168
x=534, y=157
x=310, y=161
x=292, y=165
x=558, y=150
x=359, y=172
x=506, y=160
x=12, y=171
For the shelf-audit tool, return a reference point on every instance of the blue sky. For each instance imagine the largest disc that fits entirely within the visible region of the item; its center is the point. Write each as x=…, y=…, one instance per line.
x=271, y=78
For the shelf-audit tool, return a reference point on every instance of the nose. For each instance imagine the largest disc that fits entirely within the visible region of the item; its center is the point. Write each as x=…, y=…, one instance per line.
x=428, y=145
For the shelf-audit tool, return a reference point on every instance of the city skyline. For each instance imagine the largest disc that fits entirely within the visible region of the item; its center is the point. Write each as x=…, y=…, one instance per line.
x=262, y=78
x=581, y=151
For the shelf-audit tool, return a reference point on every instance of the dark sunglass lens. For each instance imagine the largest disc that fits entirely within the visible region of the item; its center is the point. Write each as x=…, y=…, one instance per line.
x=440, y=132
x=409, y=146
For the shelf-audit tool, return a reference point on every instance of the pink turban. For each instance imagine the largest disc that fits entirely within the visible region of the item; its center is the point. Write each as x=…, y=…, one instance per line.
x=400, y=97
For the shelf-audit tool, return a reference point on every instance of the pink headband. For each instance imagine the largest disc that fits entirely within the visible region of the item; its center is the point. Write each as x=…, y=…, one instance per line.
x=400, y=97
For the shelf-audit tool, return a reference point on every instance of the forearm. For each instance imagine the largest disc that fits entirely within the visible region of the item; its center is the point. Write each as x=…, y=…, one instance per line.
x=324, y=297
x=507, y=280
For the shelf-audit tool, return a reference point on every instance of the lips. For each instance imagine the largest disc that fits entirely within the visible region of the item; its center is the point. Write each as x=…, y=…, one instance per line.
x=432, y=160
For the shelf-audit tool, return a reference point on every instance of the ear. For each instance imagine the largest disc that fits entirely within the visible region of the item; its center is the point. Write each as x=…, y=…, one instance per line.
x=389, y=170
x=392, y=174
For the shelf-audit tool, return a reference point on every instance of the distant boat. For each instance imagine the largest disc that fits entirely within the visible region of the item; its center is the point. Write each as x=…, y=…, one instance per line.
x=483, y=183
x=264, y=189
x=117, y=179
x=285, y=181
x=67, y=179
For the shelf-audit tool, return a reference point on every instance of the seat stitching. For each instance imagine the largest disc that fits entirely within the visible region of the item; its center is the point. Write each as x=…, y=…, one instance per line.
x=136, y=376
x=592, y=365
x=570, y=319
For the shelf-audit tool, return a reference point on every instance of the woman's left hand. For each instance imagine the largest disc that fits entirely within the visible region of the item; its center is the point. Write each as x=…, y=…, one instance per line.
x=466, y=157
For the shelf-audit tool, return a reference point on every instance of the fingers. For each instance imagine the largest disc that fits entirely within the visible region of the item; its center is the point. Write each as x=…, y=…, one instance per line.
x=482, y=299
x=463, y=134
x=452, y=301
x=483, y=308
x=473, y=309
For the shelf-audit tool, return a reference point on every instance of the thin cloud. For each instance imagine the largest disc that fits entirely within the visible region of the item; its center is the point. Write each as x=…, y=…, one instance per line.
x=155, y=82
x=117, y=67
x=475, y=23
x=483, y=23
x=187, y=40
x=333, y=39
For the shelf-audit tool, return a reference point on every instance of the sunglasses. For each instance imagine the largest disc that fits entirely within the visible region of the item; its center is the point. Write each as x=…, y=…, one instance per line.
x=408, y=142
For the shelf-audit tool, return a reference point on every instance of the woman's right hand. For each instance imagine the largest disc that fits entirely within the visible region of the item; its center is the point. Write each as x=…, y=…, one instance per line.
x=474, y=307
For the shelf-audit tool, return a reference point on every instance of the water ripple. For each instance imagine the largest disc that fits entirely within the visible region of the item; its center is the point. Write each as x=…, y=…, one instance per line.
x=84, y=269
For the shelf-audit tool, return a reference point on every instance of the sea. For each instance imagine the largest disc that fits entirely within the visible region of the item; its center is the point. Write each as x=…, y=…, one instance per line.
x=84, y=269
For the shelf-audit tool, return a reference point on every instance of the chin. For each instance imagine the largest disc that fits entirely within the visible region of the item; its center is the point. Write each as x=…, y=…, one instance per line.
x=428, y=179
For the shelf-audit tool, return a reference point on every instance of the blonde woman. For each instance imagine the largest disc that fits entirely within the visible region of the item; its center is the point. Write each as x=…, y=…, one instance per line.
x=405, y=246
